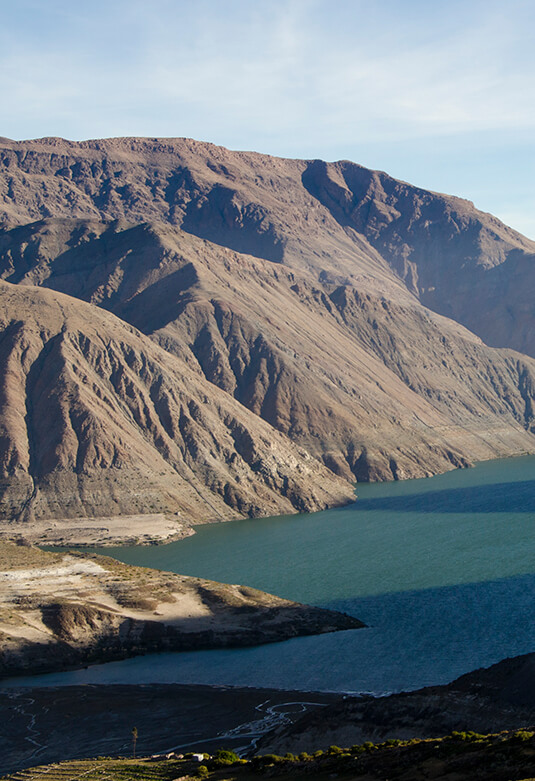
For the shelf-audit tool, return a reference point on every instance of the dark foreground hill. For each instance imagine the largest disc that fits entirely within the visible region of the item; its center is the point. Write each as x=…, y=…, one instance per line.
x=456, y=757
x=308, y=296
x=488, y=700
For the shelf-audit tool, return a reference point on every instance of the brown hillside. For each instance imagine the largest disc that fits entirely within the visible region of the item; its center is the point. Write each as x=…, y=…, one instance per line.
x=97, y=420
x=377, y=388
x=295, y=287
x=337, y=218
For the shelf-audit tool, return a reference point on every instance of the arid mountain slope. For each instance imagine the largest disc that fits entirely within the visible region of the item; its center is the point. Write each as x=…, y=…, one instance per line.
x=280, y=282
x=97, y=420
x=375, y=388
x=341, y=220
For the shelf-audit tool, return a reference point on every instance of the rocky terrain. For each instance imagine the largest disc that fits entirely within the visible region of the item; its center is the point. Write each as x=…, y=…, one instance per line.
x=317, y=305
x=97, y=420
x=501, y=697
x=64, y=609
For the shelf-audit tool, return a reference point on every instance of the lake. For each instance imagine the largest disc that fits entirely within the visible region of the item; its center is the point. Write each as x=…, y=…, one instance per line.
x=441, y=569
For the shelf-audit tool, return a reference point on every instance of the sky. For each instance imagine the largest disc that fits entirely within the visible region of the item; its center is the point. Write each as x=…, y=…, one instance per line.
x=438, y=93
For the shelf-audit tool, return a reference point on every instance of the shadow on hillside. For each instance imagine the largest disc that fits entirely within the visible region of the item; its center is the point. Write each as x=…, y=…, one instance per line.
x=515, y=497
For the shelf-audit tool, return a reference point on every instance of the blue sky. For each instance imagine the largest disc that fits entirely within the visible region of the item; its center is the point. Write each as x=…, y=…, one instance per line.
x=440, y=93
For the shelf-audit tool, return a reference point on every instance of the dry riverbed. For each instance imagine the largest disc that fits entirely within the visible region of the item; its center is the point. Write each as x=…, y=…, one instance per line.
x=44, y=725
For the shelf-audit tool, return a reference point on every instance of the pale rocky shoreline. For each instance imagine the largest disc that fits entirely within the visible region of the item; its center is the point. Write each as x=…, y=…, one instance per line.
x=143, y=529
x=64, y=610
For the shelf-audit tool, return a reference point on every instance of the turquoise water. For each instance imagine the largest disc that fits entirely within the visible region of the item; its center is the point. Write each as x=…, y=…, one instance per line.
x=442, y=570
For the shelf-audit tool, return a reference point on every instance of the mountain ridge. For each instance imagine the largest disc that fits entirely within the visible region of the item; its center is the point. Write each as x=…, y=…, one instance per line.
x=319, y=296
x=98, y=421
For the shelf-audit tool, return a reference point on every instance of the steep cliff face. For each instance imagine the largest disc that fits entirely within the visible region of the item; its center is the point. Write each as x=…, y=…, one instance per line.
x=308, y=296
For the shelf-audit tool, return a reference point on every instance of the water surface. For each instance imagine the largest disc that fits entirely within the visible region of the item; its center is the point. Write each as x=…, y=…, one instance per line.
x=441, y=569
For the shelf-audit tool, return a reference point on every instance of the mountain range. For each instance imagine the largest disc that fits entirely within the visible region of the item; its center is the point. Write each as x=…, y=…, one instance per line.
x=208, y=334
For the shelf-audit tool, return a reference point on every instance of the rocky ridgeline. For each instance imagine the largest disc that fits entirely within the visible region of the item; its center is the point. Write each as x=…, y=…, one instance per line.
x=275, y=331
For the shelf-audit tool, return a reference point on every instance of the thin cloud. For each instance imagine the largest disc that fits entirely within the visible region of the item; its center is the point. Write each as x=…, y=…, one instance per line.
x=239, y=63
x=376, y=82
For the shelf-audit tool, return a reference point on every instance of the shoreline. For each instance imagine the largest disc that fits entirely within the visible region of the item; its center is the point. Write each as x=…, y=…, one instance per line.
x=155, y=529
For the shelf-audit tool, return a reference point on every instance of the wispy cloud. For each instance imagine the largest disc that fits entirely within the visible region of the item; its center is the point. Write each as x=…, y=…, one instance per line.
x=297, y=77
x=296, y=64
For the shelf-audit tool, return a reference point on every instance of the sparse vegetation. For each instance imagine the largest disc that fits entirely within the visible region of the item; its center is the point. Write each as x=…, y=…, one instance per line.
x=14, y=556
x=507, y=756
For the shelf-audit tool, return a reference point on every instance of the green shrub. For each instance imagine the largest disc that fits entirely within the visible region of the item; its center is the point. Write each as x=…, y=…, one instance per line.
x=202, y=771
x=468, y=737
x=523, y=735
x=266, y=759
x=224, y=757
